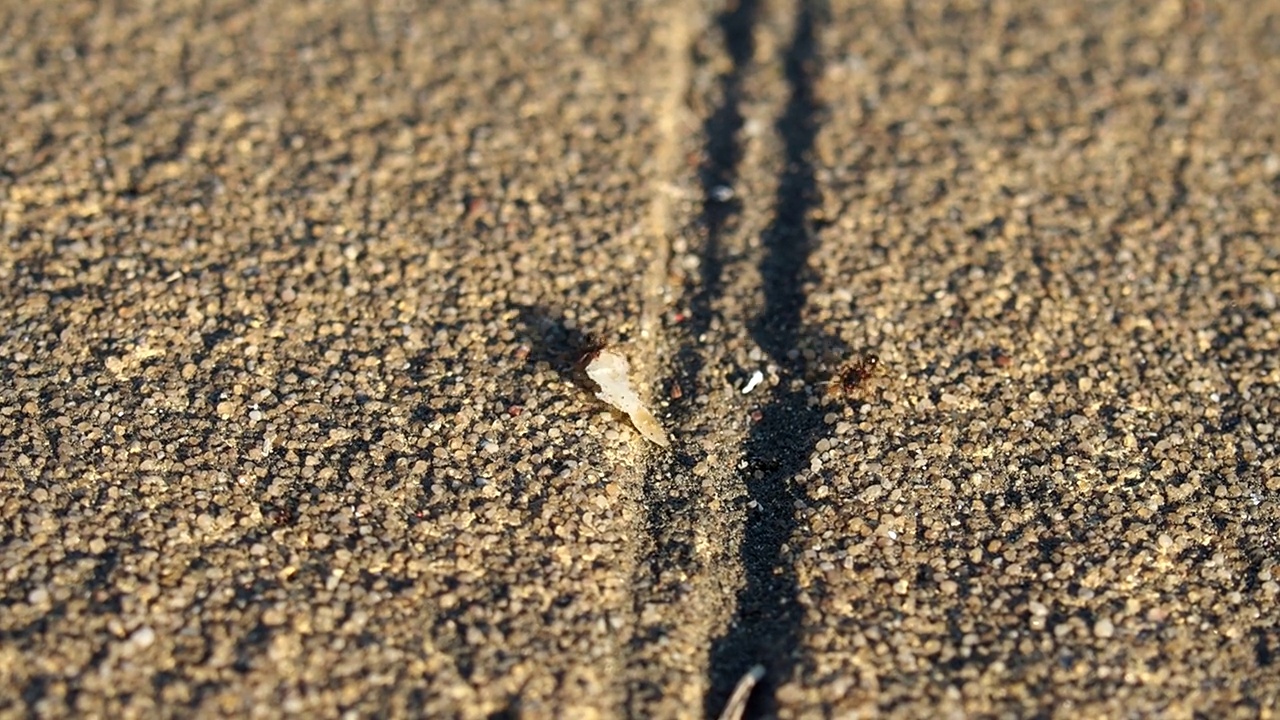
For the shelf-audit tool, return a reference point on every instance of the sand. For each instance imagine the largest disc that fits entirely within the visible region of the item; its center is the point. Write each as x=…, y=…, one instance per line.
x=294, y=297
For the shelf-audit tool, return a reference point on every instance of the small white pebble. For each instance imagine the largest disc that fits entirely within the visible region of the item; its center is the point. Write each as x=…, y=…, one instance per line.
x=753, y=383
x=1104, y=629
x=143, y=637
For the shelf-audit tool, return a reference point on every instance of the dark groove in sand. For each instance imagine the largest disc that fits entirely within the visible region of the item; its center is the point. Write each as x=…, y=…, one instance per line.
x=766, y=624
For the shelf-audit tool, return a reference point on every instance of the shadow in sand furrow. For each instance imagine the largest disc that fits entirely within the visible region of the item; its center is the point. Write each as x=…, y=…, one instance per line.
x=766, y=623
x=717, y=175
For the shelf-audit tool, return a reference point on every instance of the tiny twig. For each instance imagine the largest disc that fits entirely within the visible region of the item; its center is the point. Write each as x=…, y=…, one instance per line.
x=741, y=694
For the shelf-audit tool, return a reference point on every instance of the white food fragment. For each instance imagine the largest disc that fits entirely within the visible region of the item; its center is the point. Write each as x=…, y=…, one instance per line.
x=722, y=193
x=755, y=380
x=612, y=373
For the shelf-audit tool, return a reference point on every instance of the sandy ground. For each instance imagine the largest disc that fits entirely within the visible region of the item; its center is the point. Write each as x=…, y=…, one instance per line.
x=292, y=295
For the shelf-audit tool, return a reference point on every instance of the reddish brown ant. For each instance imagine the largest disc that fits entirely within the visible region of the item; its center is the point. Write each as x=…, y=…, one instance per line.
x=588, y=351
x=853, y=374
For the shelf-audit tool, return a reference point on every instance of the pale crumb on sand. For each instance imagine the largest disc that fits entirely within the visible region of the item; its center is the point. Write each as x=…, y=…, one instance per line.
x=612, y=373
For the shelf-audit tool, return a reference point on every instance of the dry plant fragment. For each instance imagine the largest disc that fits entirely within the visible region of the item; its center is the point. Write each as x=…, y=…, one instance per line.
x=741, y=694
x=611, y=372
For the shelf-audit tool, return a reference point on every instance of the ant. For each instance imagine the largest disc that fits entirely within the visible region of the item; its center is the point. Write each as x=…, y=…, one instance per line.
x=853, y=374
x=589, y=348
